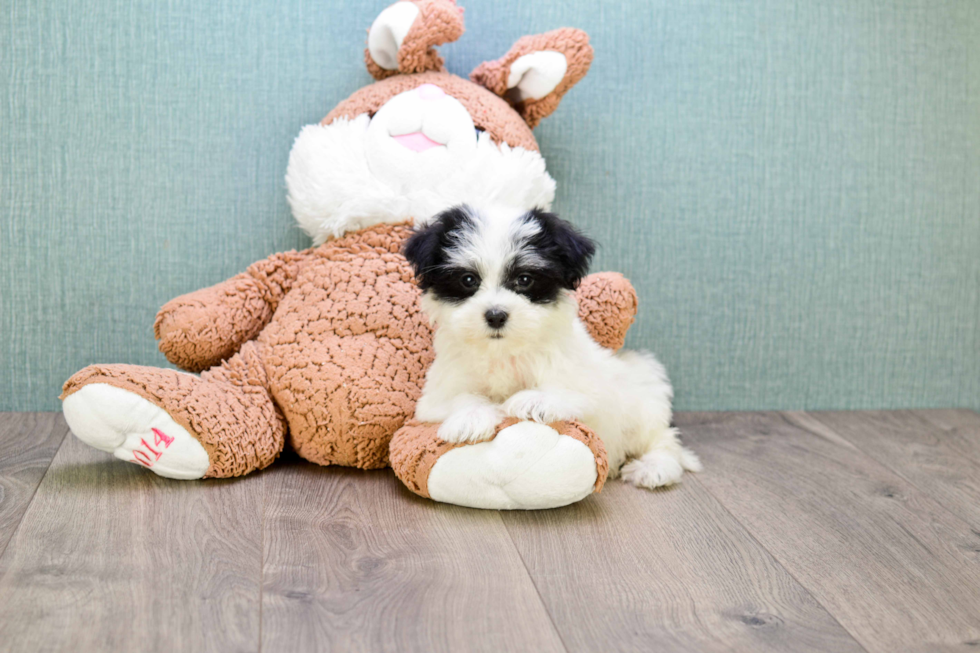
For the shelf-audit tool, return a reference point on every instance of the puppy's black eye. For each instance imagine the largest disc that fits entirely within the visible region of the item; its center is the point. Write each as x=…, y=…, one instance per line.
x=469, y=280
x=524, y=281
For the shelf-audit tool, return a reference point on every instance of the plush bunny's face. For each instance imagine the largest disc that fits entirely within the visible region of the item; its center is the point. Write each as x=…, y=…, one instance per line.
x=407, y=148
x=420, y=139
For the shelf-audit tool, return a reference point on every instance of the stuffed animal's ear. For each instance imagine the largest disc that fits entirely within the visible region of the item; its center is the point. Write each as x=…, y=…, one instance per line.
x=537, y=71
x=402, y=37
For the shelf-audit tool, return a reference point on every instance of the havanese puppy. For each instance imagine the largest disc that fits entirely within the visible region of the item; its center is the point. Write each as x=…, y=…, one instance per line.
x=498, y=286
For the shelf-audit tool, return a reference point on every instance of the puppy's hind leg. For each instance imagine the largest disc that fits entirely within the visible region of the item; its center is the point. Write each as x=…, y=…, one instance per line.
x=663, y=463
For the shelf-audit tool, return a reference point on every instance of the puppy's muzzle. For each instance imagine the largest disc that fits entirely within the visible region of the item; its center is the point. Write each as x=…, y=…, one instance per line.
x=496, y=318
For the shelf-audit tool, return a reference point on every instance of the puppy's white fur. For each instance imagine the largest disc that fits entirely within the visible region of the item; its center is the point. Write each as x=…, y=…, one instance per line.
x=545, y=366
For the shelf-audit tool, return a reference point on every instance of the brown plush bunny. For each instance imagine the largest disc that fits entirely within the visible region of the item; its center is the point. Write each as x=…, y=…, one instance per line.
x=327, y=348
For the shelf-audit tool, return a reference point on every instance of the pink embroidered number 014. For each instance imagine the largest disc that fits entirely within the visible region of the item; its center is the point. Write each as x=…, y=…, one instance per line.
x=145, y=454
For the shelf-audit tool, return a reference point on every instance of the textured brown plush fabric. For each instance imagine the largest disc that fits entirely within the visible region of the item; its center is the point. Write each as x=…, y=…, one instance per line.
x=228, y=410
x=200, y=329
x=347, y=350
x=587, y=436
x=438, y=22
x=489, y=112
x=203, y=328
x=416, y=447
x=573, y=43
x=607, y=305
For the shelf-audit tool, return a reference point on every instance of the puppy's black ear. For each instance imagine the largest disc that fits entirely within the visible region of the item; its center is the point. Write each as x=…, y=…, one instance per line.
x=563, y=244
x=426, y=248
x=422, y=248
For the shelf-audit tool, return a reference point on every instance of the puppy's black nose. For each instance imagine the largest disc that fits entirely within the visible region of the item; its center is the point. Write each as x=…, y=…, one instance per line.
x=496, y=318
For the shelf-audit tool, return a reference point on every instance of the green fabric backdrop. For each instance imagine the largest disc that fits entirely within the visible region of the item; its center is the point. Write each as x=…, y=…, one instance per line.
x=793, y=187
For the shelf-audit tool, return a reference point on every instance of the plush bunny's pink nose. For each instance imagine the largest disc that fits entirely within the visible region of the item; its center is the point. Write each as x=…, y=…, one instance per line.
x=430, y=92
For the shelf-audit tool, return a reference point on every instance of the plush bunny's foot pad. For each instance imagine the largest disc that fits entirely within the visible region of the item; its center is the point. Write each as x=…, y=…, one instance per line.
x=525, y=466
x=176, y=424
x=133, y=429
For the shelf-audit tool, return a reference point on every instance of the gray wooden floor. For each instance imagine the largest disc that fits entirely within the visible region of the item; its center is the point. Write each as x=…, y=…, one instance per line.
x=806, y=531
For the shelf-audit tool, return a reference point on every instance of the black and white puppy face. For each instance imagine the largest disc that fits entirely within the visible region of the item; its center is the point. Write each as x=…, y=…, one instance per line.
x=498, y=273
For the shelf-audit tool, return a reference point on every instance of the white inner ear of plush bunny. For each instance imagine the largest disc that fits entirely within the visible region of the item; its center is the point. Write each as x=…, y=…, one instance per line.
x=535, y=75
x=388, y=31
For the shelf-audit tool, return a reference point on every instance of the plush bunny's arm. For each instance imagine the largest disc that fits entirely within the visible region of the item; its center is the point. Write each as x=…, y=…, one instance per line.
x=201, y=329
x=607, y=305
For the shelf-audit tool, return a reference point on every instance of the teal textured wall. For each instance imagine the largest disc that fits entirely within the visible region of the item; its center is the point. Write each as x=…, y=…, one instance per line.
x=793, y=187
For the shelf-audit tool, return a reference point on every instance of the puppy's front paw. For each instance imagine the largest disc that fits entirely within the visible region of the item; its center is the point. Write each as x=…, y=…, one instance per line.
x=471, y=424
x=543, y=407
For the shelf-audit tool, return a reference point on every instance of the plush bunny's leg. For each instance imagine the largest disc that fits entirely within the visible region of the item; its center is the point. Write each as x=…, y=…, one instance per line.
x=134, y=429
x=525, y=466
x=223, y=423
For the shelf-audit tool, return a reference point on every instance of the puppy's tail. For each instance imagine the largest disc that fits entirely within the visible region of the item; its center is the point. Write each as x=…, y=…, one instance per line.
x=690, y=460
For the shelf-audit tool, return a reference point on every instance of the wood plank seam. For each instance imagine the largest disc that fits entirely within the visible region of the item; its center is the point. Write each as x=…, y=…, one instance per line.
x=162, y=565
x=354, y=561
x=534, y=584
x=931, y=420
x=20, y=520
x=265, y=487
x=669, y=570
x=881, y=460
x=748, y=531
x=899, y=537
